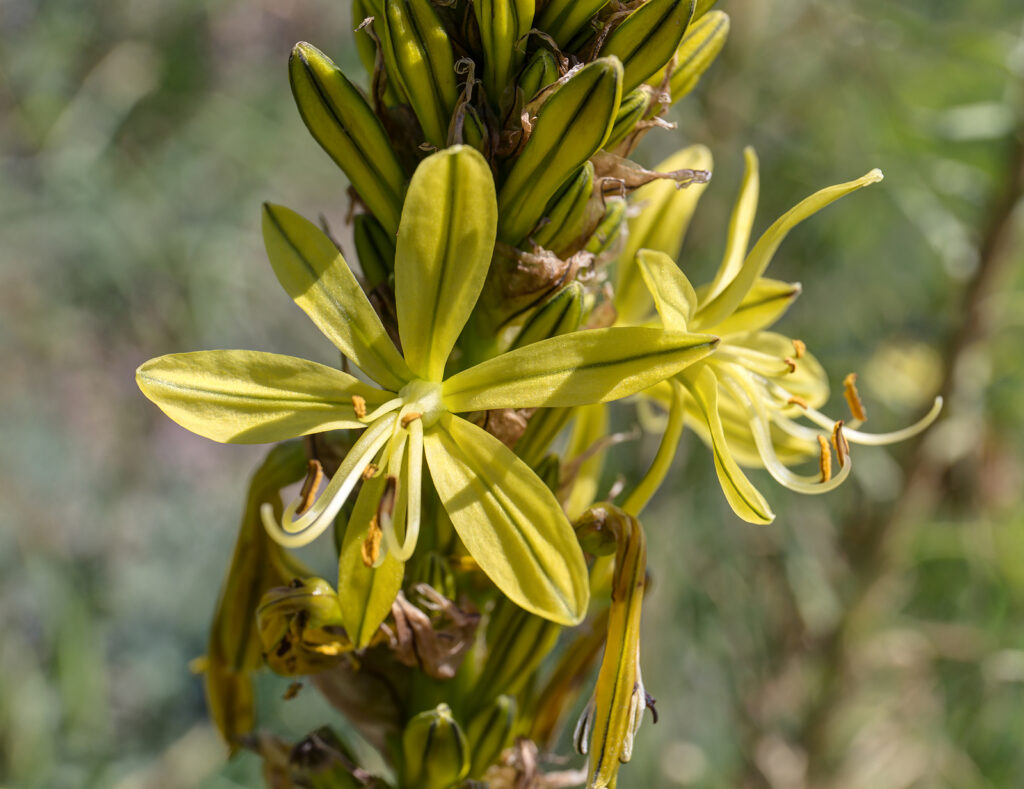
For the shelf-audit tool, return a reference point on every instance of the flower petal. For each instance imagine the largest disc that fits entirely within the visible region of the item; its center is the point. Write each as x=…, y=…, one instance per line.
x=741, y=223
x=764, y=304
x=584, y=367
x=445, y=241
x=313, y=272
x=365, y=594
x=673, y=294
x=745, y=500
x=508, y=520
x=718, y=307
x=661, y=226
x=589, y=428
x=249, y=397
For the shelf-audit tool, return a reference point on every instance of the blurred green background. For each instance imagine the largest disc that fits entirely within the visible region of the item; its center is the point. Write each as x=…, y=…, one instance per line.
x=870, y=638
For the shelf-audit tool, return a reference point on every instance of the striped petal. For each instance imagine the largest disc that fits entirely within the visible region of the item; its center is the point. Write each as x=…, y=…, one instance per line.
x=249, y=397
x=509, y=521
x=313, y=272
x=584, y=367
x=445, y=241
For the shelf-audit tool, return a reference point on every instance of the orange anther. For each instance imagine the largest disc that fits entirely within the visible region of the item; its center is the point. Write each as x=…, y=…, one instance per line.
x=314, y=476
x=853, y=398
x=825, y=460
x=370, y=550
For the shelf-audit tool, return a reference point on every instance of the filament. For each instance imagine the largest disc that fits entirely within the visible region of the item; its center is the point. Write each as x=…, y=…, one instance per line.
x=294, y=533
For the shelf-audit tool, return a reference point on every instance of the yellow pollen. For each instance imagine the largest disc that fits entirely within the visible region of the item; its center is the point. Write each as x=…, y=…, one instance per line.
x=314, y=476
x=797, y=400
x=825, y=461
x=839, y=443
x=371, y=545
x=359, y=404
x=799, y=348
x=292, y=691
x=790, y=364
x=411, y=417
x=370, y=471
x=853, y=398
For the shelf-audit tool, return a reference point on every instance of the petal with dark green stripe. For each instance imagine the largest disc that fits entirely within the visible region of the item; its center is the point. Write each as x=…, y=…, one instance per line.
x=745, y=500
x=365, y=594
x=444, y=249
x=248, y=397
x=580, y=368
x=508, y=520
x=311, y=269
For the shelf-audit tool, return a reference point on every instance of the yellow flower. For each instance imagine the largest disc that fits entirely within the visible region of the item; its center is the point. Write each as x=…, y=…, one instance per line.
x=745, y=399
x=507, y=518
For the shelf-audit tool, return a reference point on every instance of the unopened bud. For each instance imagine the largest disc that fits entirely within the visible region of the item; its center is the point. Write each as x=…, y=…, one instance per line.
x=434, y=749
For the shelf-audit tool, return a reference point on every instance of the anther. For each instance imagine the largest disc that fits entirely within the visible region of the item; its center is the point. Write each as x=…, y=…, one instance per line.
x=649, y=702
x=825, y=461
x=799, y=348
x=359, y=405
x=790, y=363
x=797, y=400
x=370, y=550
x=292, y=691
x=853, y=398
x=839, y=443
x=370, y=471
x=410, y=417
x=314, y=476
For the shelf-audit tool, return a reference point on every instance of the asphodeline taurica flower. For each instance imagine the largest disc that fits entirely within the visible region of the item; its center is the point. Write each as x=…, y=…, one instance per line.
x=744, y=399
x=508, y=520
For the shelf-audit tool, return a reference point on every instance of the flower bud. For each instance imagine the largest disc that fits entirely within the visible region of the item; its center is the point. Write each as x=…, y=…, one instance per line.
x=434, y=749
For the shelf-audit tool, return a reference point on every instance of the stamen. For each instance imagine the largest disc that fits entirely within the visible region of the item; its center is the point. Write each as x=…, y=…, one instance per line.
x=314, y=476
x=370, y=471
x=790, y=363
x=825, y=459
x=879, y=439
x=386, y=505
x=413, y=497
x=755, y=361
x=370, y=550
x=581, y=733
x=797, y=400
x=853, y=398
x=839, y=443
x=412, y=416
x=359, y=406
x=738, y=383
x=294, y=532
x=650, y=701
x=387, y=408
x=799, y=348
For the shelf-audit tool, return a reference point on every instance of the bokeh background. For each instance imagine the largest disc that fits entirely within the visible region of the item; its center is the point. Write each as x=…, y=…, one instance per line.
x=870, y=638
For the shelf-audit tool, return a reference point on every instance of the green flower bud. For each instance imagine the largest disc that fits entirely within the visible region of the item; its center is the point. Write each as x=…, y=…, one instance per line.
x=489, y=733
x=434, y=749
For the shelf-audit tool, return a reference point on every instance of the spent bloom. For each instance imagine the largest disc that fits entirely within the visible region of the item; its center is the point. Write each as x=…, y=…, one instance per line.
x=507, y=518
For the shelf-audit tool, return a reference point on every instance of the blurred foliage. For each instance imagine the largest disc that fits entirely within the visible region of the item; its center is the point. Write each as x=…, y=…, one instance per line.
x=870, y=638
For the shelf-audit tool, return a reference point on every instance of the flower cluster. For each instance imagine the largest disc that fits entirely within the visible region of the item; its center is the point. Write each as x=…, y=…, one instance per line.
x=517, y=272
